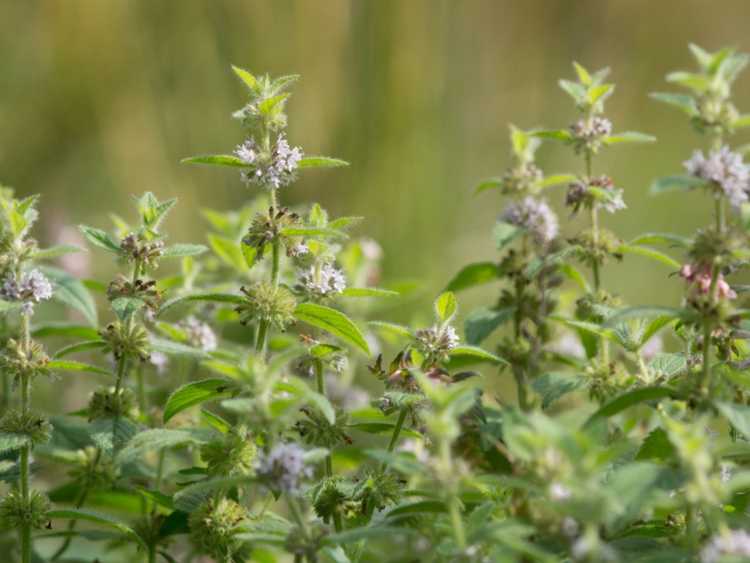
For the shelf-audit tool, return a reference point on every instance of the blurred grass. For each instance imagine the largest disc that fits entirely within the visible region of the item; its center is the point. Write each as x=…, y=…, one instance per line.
x=100, y=100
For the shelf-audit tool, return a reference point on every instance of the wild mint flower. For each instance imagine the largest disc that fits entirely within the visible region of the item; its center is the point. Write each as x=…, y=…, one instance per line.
x=567, y=345
x=297, y=250
x=701, y=278
x=323, y=281
x=159, y=360
x=284, y=467
x=654, y=346
x=269, y=171
x=725, y=169
x=535, y=216
x=733, y=544
x=199, y=334
x=588, y=134
x=579, y=194
x=33, y=288
x=437, y=342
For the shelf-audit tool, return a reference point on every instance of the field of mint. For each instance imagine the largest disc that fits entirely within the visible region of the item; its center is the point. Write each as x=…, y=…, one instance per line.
x=257, y=403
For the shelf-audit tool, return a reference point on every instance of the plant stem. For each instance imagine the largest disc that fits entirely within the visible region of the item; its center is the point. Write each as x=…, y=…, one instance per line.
x=454, y=504
x=26, y=547
x=299, y=519
x=260, y=342
x=705, y=383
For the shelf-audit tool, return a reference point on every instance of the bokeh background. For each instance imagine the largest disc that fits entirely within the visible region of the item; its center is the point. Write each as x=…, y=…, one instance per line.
x=100, y=100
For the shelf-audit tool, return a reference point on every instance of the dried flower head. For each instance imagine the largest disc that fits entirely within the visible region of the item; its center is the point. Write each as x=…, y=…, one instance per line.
x=266, y=302
x=535, y=216
x=725, y=170
x=138, y=249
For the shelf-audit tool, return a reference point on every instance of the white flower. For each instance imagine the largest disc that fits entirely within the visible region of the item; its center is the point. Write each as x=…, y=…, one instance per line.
x=269, y=171
x=199, y=334
x=535, y=216
x=558, y=491
x=33, y=288
x=733, y=543
x=437, y=341
x=284, y=467
x=323, y=281
x=726, y=169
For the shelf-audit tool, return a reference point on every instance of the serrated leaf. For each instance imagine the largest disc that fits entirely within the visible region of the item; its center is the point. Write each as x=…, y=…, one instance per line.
x=126, y=307
x=97, y=518
x=321, y=162
x=71, y=292
x=480, y=323
x=56, y=251
x=629, y=137
x=446, y=307
x=217, y=160
x=553, y=386
x=683, y=102
x=472, y=275
x=246, y=77
x=737, y=415
x=197, y=392
x=160, y=438
x=182, y=250
x=67, y=365
x=629, y=399
x=656, y=446
x=647, y=252
x=679, y=183
x=10, y=441
x=667, y=365
x=332, y=321
x=100, y=238
x=645, y=312
x=368, y=292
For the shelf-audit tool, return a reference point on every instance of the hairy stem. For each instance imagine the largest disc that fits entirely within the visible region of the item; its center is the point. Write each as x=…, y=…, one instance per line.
x=26, y=547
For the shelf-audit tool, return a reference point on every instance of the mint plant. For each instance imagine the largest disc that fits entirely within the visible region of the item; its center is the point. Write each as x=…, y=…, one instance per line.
x=258, y=405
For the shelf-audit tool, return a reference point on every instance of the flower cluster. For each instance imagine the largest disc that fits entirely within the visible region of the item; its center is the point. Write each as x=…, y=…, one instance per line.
x=273, y=170
x=199, y=334
x=33, y=287
x=534, y=215
x=725, y=169
x=283, y=468
x=702, y=278
x=322, y=281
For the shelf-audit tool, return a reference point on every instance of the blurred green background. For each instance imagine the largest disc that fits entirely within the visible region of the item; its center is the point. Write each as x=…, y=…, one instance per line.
x=100, y=100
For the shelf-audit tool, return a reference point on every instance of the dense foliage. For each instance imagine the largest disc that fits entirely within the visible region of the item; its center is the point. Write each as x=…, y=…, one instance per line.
x=257, y=406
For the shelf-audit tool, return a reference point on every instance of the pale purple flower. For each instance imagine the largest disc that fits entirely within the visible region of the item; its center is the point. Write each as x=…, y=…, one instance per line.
x=654, y=346
x=725, y=169
x=284, y=467
x=33, y=288
x=588, y=130
x=199, y=334
x=159, y=360
x=269, y=171
x=322, y=281
x=535, y=216
x=567, y=345
x=735, y=543
x=437, y=341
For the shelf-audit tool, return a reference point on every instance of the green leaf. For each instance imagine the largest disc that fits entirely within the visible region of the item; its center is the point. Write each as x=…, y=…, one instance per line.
x=80, y=347
x=64, y=330
x=645, y=312
x=160, y=438
x=173, y=348
x=392, y=328
x=552, y=386
x=488, y=184
x=90, y=516
x=228, y=298
x=446, y=307
x=557, y=134
x=192, y=496
x=56, y=251
x=71, y=292
x=741, y=122
x=217, y=160
x=696, y=82
x=676, y=184
x=67, y=365
x=683, y=102
x=467, y=355
x=629, y=399
x=126, y=307
x=669, y=239
x=228, y=251
x=332, y=321
x=583, y=75
x=182, y=250
x=10, y=441
x=100, y=238
x=368, y=292
x=299, y=388
x=505, y=233
x=246, y=77
x=629, y=137
x=556, y=180
x=647, y=252
x=575, y=90
x=321, y=162
x=656, y=446
x=313, y=232
x=197, y=392
x=472, y=275
x=480, y=323
x=667, y=365
x=737, y=415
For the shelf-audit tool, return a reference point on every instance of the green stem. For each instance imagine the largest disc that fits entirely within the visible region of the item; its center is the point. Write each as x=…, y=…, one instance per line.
x=721, y=215
x=121, y=369
x=705, y=383
x=142, y=404
x=26, y=547
x=454, y=503
x=299, y=519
